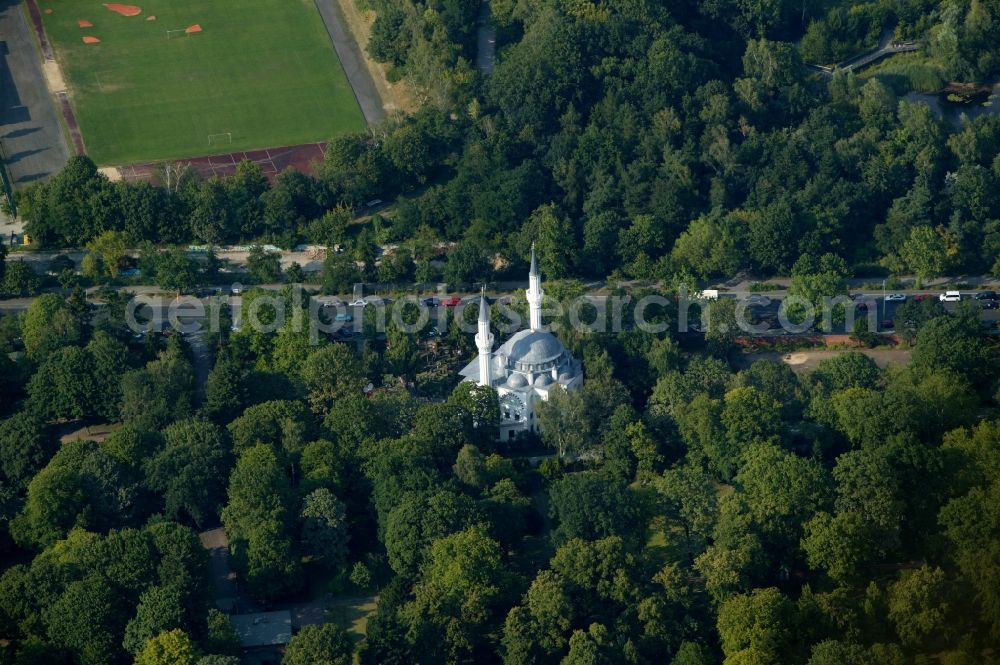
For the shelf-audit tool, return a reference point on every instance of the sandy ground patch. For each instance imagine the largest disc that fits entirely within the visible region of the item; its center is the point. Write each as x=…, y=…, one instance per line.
x=795, y=358
x=53, y=76
x=111, y=173
x=807, y=361
x=96, y=433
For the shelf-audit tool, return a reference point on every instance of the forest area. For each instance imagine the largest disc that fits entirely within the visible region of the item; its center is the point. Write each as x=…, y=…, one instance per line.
x=692, y=507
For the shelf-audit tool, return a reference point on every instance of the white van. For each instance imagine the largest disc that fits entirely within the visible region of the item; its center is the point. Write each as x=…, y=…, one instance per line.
x=950, y=296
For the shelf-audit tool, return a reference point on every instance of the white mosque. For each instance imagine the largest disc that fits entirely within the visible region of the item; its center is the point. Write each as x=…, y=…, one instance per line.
x=526, y=366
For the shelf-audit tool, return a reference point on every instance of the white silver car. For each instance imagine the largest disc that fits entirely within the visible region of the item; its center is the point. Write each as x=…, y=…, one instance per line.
x=895, y=297
x=950, y=296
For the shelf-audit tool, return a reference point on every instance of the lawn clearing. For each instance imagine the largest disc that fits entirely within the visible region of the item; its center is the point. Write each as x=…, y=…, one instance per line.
x=259, y=74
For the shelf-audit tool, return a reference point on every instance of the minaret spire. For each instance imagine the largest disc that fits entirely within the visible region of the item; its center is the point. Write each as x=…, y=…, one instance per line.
x=534, y=293
x=484, y=342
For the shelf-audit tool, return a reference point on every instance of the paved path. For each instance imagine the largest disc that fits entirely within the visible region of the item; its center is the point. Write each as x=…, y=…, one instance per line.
x=352, y=60
x=486, y=39
x=227, y=594
x=886, y=47
x=30, y=132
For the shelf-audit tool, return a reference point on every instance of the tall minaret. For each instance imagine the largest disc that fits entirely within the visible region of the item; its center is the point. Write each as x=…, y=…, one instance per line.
x=484, y=342
x=534, y=293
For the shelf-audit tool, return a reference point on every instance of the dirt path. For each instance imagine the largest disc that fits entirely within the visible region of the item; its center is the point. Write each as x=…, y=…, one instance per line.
x=352, y=59
x=395, y=96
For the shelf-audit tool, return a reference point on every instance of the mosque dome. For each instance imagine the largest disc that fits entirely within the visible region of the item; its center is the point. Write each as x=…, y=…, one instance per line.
x=543, y=380
x=517, y=381
x=532, y=348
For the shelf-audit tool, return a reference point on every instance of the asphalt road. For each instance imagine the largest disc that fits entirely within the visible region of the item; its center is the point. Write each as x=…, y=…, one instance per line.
x=886, y=310
x=30, y=131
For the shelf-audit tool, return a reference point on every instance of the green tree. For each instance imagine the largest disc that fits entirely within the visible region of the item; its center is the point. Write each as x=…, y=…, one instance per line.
x=420, y=518
x=160, y=392
x=20, y=280
x=559, y=419
x=689, y=499
x=87, y=620
x=109, y=360
x=340, y=272
x=556, y=241
x=324, y=528
x=952, y=343
x=927, y=252
x=175, y=271
x=111, y=247
x=922, y=607
x=281, y=424
x=160, y=609
x=172, y=647
x=25, y=447
x=326, y=644
x=330, y=373
x=466, y=263
x=190, y=471
x=48, y=325
x=749, y=416
x=330, y=230
x=459, y=589
x=255, y=519
x=225, y=389
x=757, y=627
x=264, y=266
x=592, y=506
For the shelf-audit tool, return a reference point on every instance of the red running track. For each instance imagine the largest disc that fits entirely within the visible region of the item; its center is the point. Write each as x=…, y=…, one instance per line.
x=272, y=161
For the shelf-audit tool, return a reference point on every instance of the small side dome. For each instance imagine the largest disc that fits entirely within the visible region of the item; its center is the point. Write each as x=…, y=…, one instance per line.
x=517, y=381
x=565, y=377
x=543, y=380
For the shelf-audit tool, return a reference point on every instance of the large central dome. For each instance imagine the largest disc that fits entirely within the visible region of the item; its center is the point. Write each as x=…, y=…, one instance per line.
x=533, y=347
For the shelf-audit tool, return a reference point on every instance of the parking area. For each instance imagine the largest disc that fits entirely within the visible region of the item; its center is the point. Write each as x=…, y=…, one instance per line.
x=30, y=131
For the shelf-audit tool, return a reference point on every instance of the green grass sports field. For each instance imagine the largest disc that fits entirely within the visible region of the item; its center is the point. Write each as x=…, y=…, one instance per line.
x=261, y=74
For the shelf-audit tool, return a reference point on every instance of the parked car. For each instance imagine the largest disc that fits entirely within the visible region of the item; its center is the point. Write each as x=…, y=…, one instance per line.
x=921, y=296
x=344, y=317
x=895, y=297
x=451, y=301
x=757, y=300
x=431, y=302
x=950, y=296
x=330, y=303
x=986, y=295
x=360, y=302
x=989, y=304
x=888, y=324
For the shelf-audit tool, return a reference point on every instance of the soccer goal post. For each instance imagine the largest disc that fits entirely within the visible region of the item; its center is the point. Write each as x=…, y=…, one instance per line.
x=179, y=32
x=223, y=138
